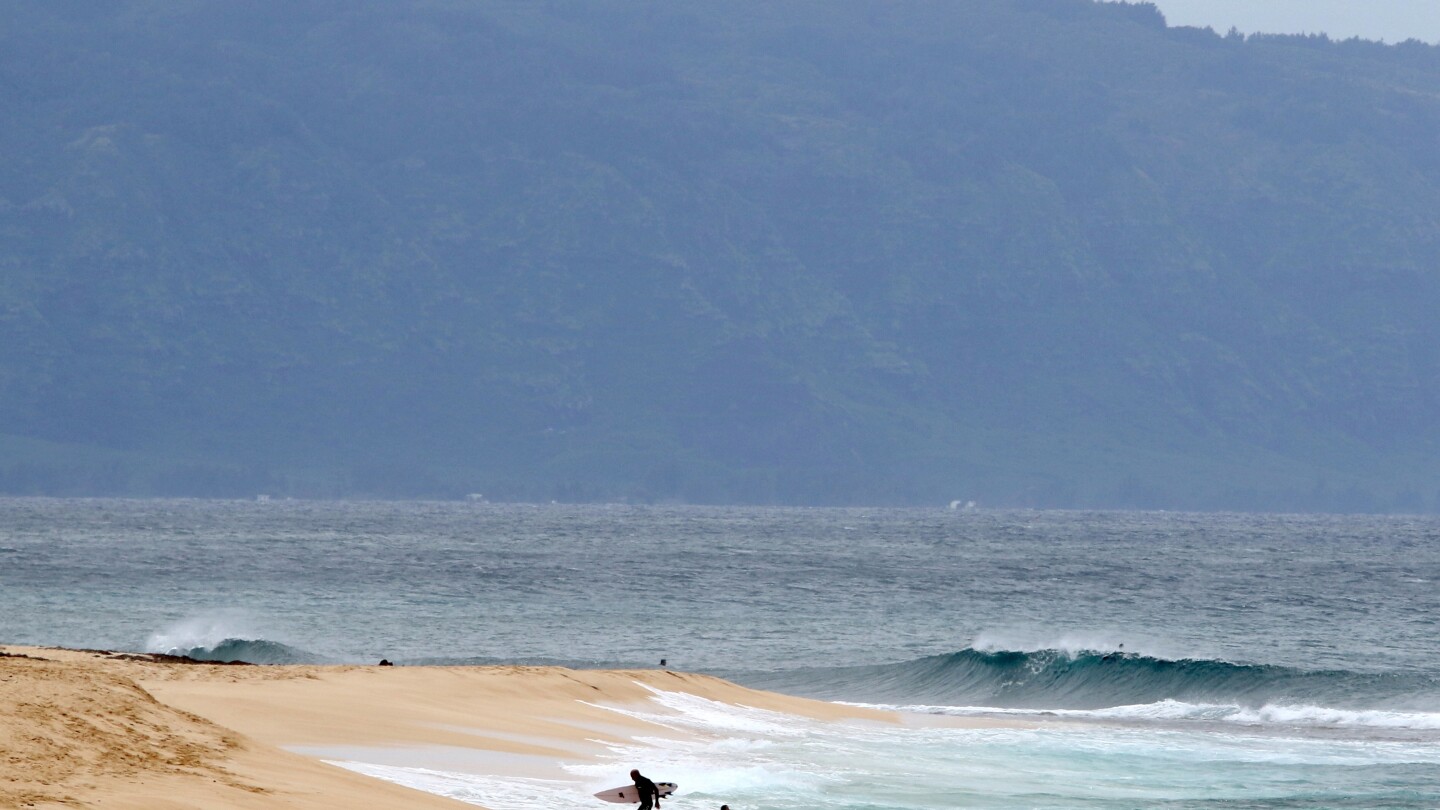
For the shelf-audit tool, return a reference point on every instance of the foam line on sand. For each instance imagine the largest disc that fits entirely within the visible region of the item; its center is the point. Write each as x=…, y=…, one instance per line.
x=102, y=729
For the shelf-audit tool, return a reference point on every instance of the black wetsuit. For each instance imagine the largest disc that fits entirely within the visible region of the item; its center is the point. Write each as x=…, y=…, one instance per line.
x=648, y=792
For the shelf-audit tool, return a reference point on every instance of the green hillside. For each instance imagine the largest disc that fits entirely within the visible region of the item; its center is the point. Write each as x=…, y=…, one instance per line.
x=1022, y=252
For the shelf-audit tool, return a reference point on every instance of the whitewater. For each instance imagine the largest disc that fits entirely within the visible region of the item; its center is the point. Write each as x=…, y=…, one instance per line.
x=1146, y=659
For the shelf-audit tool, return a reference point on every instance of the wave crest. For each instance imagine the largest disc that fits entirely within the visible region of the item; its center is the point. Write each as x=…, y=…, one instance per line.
x=250, y=651
x=1054, y=679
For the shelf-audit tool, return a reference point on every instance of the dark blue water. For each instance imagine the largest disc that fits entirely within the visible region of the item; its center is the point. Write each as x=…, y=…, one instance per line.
x=731, y=589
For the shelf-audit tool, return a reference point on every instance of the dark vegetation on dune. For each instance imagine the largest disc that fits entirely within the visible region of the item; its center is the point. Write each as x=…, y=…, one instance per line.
x=1043, y=253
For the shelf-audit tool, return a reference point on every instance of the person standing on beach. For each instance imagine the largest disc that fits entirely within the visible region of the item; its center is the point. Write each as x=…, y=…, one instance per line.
x=646, y=789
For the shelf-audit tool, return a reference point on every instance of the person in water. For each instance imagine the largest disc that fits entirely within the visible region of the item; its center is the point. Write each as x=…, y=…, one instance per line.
x=646, y=789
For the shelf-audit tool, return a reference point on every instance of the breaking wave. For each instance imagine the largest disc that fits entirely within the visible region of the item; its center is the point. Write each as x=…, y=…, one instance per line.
x=250, y=651
x=226, y=637
x=1050, y=680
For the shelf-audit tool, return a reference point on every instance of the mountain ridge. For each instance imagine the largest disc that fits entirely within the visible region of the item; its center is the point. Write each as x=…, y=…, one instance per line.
x=1030, y=253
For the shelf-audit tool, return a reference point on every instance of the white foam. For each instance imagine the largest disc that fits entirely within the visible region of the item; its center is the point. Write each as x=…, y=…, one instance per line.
x=716, y=750
x=1269, y=714
x=205, y=630
x=750, y=757
x=725, y=750
x=702, y=714
x=1075, y=643
x=1340, y=718
x=517, y=793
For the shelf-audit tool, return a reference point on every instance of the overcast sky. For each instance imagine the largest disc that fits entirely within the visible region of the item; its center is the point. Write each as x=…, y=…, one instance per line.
x=1390, y=20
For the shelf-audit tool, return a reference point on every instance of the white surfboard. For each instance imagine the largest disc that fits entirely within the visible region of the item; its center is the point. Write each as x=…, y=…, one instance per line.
x=622, y=795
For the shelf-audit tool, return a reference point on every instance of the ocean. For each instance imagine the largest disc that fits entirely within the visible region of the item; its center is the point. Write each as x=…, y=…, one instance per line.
x=1157, y=660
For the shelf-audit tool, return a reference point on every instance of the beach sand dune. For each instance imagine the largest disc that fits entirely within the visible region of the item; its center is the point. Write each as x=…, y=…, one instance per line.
x=79, y=730
x=102, y=729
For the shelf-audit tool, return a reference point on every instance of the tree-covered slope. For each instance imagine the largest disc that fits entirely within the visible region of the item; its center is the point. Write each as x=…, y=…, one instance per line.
x=1027, y=252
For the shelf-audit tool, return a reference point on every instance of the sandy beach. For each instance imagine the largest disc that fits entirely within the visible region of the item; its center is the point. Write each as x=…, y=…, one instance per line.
x=113, y=730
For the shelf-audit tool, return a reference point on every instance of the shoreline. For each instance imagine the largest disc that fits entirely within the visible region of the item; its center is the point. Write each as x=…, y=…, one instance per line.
x=126, y=730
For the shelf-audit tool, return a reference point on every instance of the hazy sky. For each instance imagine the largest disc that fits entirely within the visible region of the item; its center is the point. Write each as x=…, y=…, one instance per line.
x=1390, y=20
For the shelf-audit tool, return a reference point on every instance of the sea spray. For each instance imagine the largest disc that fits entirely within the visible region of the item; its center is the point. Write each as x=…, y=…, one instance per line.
x=225, y=637
x=202, y=631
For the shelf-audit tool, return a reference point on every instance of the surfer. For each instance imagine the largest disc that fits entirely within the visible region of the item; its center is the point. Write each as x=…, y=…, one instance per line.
x=646, y=789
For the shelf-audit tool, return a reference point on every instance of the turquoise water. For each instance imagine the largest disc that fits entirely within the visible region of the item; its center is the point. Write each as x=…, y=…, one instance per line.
x=756, y=759
x=1161, y=660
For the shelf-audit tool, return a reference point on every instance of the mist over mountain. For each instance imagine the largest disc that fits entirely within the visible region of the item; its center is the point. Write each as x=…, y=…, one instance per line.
x=1042, y=253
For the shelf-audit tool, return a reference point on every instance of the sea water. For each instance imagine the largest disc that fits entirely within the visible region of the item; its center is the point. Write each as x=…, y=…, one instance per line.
x=1153, y=659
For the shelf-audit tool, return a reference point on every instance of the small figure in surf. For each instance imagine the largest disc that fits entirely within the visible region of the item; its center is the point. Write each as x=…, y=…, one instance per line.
x=647, y=790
